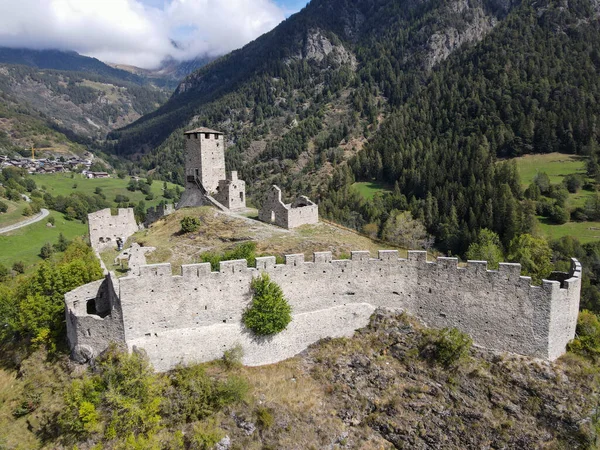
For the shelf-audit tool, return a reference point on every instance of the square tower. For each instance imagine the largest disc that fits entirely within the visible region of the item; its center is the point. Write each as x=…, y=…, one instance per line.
x=204, y=158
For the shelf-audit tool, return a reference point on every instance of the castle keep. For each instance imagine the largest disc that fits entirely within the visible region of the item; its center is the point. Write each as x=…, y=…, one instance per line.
x=196, y=315
x=205, y=179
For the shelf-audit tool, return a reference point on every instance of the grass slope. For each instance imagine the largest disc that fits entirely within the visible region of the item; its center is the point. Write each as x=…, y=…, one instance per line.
x=14, y=213
x=219, y=232
x=62, y=184
x=25, y=243
x=556, y=165
x=368, y=189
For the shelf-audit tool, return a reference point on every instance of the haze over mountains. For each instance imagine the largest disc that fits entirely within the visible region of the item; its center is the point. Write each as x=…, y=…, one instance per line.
x=56, y=99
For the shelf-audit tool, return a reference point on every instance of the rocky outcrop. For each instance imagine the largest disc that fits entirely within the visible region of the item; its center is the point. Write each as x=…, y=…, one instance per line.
x=317, y=47
x=477, y=25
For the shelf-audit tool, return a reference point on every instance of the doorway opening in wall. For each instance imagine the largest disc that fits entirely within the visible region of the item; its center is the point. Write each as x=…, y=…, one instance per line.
x=272, y=216
x=242, y=196
x=91, y=309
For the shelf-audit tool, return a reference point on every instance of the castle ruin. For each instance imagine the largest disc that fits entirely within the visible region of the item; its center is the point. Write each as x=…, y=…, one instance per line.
x=205, y=179
x=196, y=315
x=301, y=212
x=105, y=228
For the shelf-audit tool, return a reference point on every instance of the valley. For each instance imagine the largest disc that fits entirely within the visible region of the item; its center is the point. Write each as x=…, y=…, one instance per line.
x=470, y=130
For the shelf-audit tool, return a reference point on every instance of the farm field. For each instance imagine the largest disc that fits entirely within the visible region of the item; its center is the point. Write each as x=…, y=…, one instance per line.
x=25, y=243
x=62, y=184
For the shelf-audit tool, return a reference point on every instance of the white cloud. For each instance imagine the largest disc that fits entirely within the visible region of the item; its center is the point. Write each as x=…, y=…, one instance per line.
x=137, y=32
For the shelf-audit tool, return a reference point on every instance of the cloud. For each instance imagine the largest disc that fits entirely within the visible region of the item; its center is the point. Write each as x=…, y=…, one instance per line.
x=137, y=32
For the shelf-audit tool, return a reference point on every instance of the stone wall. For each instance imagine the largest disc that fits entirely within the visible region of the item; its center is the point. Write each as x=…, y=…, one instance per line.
x=154, y=214
x=232, y=192
x=94, y=318
x=105, y=228
x=196, y=316
x=300, y=212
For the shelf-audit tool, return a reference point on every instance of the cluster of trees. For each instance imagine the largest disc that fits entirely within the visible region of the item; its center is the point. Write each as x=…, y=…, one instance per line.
x=439, y=148
x=32, y=307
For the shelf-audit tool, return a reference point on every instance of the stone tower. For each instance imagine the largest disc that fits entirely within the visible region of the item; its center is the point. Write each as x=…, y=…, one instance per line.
x=204, y=159
x=205, y=181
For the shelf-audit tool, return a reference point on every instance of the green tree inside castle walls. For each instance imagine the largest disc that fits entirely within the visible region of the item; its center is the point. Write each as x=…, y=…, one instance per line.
x=269, y=312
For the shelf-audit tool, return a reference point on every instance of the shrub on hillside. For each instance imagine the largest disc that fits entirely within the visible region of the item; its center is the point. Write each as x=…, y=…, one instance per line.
x=446, y=346
x=269, y=313
x=19, y=267
x=189, y=224
x=587, y=340
x=3, y=207
x=46, y=251
x=245, y=250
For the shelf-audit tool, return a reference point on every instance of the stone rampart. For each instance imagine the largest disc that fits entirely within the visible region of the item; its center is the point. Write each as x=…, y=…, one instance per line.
x=196, y=315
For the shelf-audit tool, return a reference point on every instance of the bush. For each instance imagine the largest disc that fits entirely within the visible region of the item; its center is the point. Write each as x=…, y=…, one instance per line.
x=264, y=417
x=3, y=207
x=269, y=313
x=205, y=436
x=559, y=215
x=189, y=224
x=446, y=346
x=19, y=267
x=232, y=358
x=120, y=198
x=573, y=182
x=4, y=272
x=51, y=220
x=46, y=251
x=587, y=340
x=193, y=395
x=245, y=250
x=62, y=243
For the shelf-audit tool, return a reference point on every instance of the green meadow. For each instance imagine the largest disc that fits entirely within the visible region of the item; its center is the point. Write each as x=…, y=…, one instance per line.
x=64, y=184
x=368, y=189
x=556, y=165
x=25, y=243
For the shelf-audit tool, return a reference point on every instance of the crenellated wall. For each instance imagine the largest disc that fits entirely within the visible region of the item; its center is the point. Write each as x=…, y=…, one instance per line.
x=196, y=315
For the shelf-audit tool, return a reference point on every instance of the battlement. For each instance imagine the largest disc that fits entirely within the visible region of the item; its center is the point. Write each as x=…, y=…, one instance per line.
x=506, y=272
x=168, y=314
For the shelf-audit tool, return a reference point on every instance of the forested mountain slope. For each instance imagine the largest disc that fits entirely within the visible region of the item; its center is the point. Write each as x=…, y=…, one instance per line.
x=369, y=47
x=532, y=85
x=393, y=78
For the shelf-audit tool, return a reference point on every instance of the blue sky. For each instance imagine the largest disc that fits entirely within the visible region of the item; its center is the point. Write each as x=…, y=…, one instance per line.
x=140, y=32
